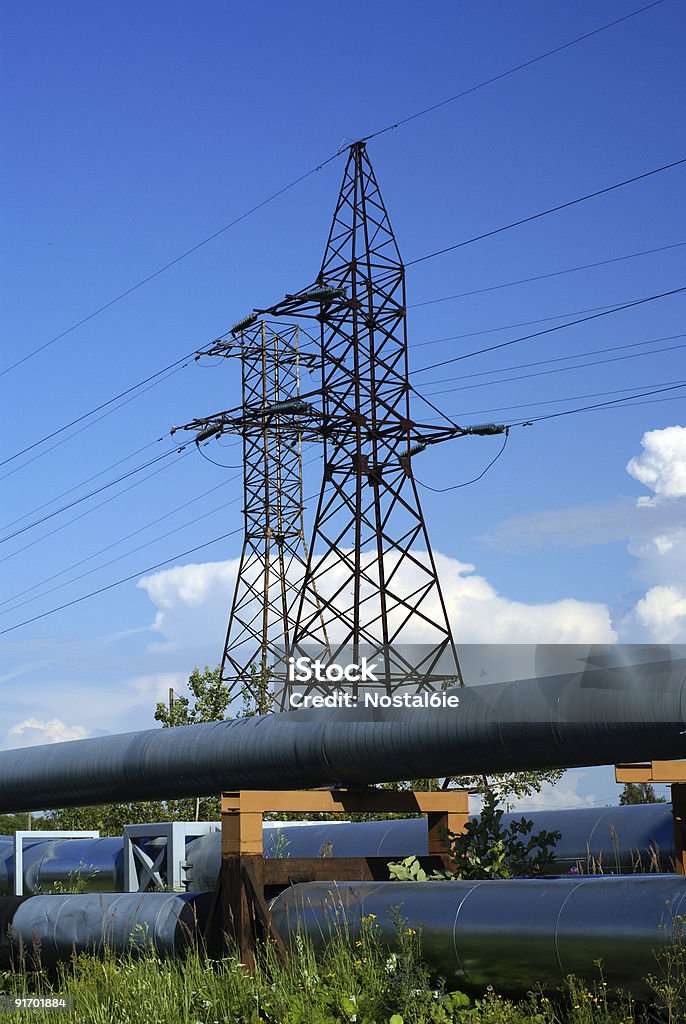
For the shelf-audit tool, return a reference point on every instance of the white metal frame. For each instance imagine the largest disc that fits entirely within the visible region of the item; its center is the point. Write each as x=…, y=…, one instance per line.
x=23, y=834
x=142, y=872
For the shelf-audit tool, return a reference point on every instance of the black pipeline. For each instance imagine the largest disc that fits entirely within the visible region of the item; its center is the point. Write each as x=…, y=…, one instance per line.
x=596, y=716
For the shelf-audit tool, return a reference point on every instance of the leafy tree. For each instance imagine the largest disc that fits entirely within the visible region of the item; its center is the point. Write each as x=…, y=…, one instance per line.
x=10, y=823
x=258, y=699
x=640, y=793
x=508, y=784
x=488, y=849
x=210, y=700
x=109, y=819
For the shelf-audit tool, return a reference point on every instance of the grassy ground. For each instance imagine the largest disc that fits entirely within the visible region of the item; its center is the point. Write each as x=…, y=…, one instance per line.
x=350, y=982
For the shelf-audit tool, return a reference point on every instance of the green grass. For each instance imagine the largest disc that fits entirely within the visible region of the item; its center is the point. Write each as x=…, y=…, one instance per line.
x=350, y=981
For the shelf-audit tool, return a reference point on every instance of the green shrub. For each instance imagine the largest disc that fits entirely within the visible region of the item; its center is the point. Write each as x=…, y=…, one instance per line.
x=487, y=849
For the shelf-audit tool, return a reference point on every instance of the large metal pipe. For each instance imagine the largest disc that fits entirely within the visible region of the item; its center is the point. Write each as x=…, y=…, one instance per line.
x=514, y=935
x=46, y=929
x=597, y=716
x=607, y=839
x=98, y=863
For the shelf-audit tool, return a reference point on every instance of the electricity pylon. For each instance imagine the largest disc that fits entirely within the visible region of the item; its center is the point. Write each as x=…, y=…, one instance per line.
x=367, y=584
x=274, y=555
x=370, y=559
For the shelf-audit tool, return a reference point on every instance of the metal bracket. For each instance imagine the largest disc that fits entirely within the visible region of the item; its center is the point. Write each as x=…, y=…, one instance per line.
x=161, y=867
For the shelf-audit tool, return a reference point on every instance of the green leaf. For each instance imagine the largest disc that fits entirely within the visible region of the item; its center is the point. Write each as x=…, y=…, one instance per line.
x=458, y=999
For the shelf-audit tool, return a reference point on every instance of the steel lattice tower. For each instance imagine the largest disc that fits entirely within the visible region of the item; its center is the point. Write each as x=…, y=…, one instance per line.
x=273, y=559
x=367, y=585
x=370, y=559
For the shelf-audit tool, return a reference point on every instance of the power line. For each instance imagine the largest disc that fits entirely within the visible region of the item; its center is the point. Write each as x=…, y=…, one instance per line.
x=619, y=403
x=423, y=397
x=117, y=558
x=83, y=483
x=466, y=483
x=550, y=330
x=93, y=508
x=567, y=398
x=556, y=359
x=177, y=364
x=169, y=265
x=506, y=327
x=97, y=408
x=54, y=433
x=94, y=476
x=419, y=394
x=324, y=163
x=220, y=464
x=118, y=583
x=654, y=401
x=86, y=426
x=114, y=544
x=127, y=579
x=544, y=277
x=510, y=71
x=98, y=490
x=156, y=378
x=184, y=361
x=559, y=369
x=598, y=405
x=545, y=213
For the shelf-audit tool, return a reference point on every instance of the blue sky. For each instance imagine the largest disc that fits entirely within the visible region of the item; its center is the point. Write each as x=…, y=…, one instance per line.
x=131, y=132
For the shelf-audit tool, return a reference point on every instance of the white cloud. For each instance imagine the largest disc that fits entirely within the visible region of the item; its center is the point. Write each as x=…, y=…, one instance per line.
x=32, y=731
x=479, y=614
x=662, y=464
x=155, y=687
x=654, y=527
x=578, y=526
x=563, y=795
x=663, y=613
x=193, y=603
x=662, y=556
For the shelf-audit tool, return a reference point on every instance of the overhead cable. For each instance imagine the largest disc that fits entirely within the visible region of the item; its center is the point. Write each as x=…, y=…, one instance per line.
x=511, y=71
x=544, y=277
x=97, y=490
x=551, y=330
x=558, y=369
x=275, y=195
x=548, y=211
x=466, y=483
x=118, y=583
x=115, y=543
x=94, y=508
